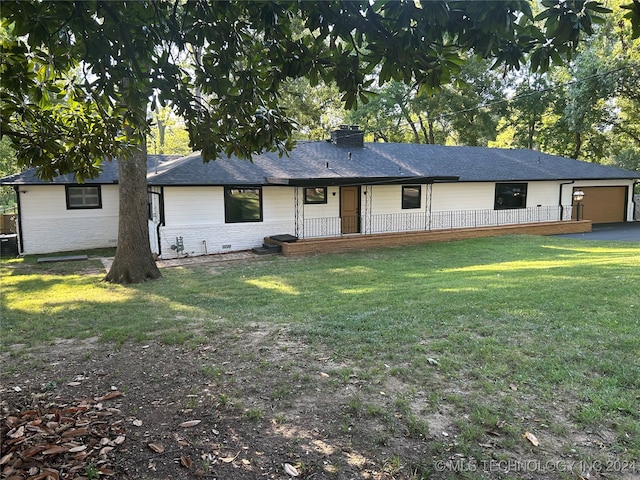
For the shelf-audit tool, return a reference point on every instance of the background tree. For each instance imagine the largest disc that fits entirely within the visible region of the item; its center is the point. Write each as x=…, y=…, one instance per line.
x=8, y=166
x=76, y=77
x=388, y=115
x=473, y=110
x=168, y=133
x=316, y=109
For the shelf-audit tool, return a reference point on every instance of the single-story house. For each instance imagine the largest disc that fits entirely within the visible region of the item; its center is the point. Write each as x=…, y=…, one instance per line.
x=332, y=188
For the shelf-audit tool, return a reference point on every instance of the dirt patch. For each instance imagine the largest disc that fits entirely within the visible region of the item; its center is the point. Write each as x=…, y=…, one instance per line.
x=246, y=404
x=198, y=413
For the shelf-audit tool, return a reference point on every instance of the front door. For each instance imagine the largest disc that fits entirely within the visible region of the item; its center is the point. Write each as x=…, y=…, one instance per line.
x=350, y=209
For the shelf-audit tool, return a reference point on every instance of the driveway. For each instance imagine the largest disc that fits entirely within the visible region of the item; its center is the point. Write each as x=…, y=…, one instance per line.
x=625, y=232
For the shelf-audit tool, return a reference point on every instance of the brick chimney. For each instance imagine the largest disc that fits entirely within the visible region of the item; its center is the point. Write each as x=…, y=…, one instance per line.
x=348, y=136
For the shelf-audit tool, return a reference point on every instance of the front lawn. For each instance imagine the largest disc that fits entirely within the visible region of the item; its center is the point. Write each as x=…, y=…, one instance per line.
x=483, y=358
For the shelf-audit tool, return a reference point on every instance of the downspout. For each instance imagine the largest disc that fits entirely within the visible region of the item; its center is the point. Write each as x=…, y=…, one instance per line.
x=161, y=217
x=19, y=217
x=560, y=198
x=633, y=198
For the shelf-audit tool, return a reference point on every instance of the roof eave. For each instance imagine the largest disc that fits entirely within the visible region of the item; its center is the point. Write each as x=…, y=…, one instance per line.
x=344, y=181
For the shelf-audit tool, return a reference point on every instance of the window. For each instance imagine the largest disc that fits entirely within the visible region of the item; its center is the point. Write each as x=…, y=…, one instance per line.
x=411, y=196
x=242, y=204
x=315, y=195
x=510, y=195
x=83, y=197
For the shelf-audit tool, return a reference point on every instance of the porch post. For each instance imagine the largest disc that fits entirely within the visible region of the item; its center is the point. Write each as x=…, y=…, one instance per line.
x=298, y=212
x=427, y=207
x=368, y=189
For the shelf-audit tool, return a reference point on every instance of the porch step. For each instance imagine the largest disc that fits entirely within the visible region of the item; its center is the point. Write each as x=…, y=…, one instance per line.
x=267, y=249
x=286, y=238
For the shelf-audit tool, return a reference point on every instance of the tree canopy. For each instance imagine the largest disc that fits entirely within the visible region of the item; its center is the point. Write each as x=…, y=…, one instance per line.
x=76, y=77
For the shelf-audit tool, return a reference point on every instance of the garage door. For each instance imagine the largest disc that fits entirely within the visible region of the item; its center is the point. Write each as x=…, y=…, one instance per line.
x=604, y=204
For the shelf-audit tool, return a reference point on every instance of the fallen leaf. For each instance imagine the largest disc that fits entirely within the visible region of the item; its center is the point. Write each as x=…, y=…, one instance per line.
x=6, y=458
x=513, y=387
x=76, y=432
x=433, y=361
x=156, y=447
x=33, y=451
x=11, y=421
x=110, y=396
x=18, y=433
x=77, y=449
x=105, y=450
x=47, y=474
x=324, y=375
x=73, y=384
x=230, y=459
x=190, y=423
x=291, y=470
x=137, y=423
x=119, y=439
x=532, y=438
x=186, y=462
x=55, y=450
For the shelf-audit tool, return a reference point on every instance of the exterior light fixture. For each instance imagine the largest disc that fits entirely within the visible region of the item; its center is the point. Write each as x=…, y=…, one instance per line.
x=578, y=197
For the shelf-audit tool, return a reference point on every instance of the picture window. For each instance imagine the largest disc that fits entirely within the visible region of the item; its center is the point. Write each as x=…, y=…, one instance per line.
x=510, y=195
x=242, y=204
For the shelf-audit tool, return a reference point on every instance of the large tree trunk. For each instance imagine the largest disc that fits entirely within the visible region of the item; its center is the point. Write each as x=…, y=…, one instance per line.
x=578, y=147
x=134, y=261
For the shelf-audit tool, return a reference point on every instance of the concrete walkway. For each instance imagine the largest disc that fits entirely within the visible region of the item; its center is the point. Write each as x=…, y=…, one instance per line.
x=203, y=259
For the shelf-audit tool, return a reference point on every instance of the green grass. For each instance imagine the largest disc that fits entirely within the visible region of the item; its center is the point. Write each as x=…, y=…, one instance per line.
x=524, y=321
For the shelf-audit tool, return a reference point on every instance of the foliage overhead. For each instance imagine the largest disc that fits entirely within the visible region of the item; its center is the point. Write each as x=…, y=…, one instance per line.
x=76, y=77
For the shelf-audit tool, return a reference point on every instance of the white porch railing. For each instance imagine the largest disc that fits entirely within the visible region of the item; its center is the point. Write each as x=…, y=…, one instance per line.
x=424, y=221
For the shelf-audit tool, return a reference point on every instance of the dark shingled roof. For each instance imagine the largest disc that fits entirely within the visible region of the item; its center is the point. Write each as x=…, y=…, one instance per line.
x=324, y=163
x=108, y=175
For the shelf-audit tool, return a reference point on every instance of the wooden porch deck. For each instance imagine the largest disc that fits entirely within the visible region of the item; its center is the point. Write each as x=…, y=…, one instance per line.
x=364, y=241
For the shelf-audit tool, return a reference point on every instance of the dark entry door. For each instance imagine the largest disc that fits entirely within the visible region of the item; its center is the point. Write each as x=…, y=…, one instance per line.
x=350, y=209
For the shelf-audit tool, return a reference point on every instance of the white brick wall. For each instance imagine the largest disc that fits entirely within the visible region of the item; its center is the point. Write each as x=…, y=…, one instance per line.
x=197, y=215
x=47, y=226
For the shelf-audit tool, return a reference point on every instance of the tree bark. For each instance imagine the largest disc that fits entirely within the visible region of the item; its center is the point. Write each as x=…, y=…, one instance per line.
x=416, y=135
x=134, y=261
x=531, y=130
x=578, y=147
